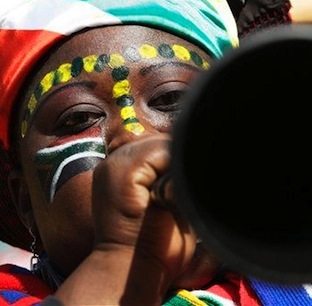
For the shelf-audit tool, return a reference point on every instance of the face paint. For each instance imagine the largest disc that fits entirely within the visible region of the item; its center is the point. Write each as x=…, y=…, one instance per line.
x=62, y=161
x=119, y=71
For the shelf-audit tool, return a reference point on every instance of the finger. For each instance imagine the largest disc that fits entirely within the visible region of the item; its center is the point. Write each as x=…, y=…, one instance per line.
x=162, y=192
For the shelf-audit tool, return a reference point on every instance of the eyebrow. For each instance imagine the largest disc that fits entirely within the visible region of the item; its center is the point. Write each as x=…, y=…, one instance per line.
x=86, y=84
x=151, y=68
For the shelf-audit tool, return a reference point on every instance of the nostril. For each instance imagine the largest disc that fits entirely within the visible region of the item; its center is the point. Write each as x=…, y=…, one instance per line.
x=123, y=137
x=119, y=140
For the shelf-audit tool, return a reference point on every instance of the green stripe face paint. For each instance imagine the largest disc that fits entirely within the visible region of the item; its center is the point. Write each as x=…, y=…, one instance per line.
x=58, y=164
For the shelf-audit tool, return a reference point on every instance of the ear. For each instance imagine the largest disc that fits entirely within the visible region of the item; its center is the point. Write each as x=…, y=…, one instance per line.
x=21, y=198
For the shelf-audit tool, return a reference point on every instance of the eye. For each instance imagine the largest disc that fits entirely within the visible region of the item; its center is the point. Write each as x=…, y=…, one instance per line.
x=169, y=102
x=75, y=122
x=79, y=118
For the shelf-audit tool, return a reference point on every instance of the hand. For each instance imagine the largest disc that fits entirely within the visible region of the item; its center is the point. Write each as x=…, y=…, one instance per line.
x=142, y=249
x=123, y=209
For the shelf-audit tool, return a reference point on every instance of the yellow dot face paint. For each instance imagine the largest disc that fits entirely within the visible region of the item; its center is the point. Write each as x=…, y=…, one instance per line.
x=181, y=53
x=206, y=65
x=89, y=62
x=127, y=112
x=135, y=128
x=116, y=60
x=32, y=104
x=121, y=90
x=148, y=51
x=47, y=81
x=64, y=73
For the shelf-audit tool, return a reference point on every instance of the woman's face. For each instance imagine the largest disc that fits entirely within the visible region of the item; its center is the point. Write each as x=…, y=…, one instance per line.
x=99, y=90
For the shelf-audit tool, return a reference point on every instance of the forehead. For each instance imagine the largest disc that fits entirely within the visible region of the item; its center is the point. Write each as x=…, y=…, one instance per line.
x=109, y=40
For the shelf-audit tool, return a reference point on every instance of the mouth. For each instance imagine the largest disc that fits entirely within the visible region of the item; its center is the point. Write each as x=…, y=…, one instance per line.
x=201, y=271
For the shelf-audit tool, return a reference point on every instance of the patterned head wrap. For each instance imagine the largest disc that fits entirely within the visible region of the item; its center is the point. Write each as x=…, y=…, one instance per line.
x=28, y=28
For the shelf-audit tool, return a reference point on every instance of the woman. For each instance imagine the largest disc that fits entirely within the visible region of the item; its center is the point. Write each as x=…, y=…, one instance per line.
x=87, y=105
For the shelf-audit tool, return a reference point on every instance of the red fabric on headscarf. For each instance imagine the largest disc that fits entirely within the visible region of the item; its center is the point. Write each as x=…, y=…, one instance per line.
x=17, y=61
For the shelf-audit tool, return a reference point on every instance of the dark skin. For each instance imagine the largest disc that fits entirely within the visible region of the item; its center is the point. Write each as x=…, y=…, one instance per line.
x=102, y=229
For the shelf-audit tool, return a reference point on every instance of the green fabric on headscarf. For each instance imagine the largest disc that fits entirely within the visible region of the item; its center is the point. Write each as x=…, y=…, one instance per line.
x=199, y=21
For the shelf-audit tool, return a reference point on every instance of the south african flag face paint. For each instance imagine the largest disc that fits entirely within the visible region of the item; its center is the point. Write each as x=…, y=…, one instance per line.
x=58, y=164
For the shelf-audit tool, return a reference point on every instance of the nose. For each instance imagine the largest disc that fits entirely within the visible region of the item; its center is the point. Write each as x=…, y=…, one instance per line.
x=124, y=133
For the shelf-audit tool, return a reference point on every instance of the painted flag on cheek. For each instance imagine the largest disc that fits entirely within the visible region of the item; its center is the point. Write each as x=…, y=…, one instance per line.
x=58, y=164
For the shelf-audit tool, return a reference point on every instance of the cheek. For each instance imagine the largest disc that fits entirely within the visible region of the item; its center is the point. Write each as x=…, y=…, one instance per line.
x=65, y=159
x=162, y=122
x=67, y=226
x=70, y=212
x=151, y=119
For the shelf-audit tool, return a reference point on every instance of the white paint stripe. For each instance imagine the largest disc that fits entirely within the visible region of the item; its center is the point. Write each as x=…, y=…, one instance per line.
x=71, y=143
x=67, y=161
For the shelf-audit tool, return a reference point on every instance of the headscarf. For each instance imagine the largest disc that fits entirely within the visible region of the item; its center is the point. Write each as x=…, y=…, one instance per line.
x=29, y=28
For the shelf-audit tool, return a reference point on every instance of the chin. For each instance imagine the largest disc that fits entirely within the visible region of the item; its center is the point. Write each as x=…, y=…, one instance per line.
x=202, y=269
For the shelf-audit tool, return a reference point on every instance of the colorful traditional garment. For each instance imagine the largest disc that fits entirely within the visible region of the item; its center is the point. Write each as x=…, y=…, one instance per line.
x=230, y=290
x=19, y=286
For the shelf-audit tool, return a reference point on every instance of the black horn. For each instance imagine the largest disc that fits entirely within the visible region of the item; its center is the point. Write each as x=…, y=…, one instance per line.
x=242, y=155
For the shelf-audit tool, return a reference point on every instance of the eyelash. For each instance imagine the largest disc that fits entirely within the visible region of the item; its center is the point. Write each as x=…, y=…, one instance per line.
x=77, y=121
x=168, y=102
